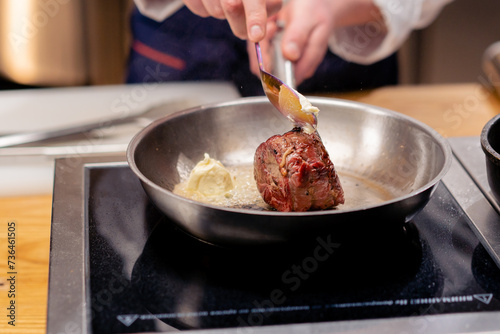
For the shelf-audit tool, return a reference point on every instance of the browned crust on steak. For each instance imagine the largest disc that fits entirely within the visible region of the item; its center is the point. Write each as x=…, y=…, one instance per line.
x=294, y=172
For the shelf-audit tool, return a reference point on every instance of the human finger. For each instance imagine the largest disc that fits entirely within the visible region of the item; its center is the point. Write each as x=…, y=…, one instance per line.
x=312, y=55
x=273, y=7
x=305, y=39
x=247, y=18
x=266, y=48
x=257, y=13
x=299, y=26
x=197, y=7
x=214, y=8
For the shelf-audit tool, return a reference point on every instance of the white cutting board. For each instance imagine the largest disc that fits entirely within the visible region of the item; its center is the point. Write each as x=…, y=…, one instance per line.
x=29, y=169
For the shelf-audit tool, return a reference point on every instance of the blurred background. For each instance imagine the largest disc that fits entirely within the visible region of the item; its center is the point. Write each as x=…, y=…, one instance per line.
x=55, y=43
x=63, y=42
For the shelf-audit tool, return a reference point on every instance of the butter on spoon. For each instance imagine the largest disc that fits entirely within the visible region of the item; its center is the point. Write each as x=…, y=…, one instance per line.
x=300, y=111
x=287, y=100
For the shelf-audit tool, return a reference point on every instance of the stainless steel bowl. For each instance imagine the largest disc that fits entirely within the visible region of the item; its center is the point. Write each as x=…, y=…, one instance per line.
x=395, y=157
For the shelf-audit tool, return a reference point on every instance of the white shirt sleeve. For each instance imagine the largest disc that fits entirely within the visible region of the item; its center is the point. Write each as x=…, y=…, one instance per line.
x=369, y=43
x=158, y=10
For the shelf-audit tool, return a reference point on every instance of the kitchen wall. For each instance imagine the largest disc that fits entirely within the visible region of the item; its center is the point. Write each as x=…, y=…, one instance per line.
x=450, y=49
x=63, y=42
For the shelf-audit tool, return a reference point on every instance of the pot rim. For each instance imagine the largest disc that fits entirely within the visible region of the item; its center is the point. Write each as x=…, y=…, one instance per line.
x=491, y=153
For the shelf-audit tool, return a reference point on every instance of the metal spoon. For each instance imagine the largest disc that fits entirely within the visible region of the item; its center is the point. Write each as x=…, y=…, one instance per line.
x=287, y=100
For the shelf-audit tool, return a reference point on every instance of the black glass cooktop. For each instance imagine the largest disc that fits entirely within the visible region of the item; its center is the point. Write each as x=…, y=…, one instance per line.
x=148, y=276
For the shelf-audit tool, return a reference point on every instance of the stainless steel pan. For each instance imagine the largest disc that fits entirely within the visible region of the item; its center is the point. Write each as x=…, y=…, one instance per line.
x=389, y=165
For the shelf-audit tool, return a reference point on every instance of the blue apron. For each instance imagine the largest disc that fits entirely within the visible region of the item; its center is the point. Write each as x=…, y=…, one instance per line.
x=186, y=47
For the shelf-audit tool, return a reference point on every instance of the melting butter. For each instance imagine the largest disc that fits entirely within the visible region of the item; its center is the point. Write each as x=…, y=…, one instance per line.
x=307, y=108
x=210, y=178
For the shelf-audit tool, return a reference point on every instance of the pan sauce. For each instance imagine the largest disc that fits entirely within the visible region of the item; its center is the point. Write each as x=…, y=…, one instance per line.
x=243, y=195
x=358, y=192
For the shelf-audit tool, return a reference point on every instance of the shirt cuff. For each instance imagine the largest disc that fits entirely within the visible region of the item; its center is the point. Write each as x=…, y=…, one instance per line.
x=158, y=10
x=374, y=41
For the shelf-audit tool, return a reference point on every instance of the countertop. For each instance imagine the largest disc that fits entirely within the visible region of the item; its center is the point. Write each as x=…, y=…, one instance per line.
x=453, y=110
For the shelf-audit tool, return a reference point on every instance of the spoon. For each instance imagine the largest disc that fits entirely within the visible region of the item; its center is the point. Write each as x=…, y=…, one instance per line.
x=287, y=100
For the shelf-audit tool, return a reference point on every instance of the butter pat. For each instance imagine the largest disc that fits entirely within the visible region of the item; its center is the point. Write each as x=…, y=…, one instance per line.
x=210, y=178
x=307, y=108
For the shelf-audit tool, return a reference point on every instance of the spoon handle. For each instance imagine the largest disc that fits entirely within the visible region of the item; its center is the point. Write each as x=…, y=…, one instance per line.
x=283, y=68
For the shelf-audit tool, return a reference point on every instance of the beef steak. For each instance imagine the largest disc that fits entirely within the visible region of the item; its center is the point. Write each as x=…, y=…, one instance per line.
x=294, y=173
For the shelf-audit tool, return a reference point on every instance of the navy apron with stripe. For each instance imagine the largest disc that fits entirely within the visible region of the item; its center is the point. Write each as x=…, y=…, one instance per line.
x=186, y=47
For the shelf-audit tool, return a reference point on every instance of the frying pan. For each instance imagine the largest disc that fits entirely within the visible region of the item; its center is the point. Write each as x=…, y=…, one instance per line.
x=389, y=166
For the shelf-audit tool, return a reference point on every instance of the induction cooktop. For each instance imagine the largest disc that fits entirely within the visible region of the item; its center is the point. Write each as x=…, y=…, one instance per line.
x=118, y=265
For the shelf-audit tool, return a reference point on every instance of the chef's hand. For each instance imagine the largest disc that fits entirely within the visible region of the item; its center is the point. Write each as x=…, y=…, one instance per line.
x=247, y=18
x=308, y=26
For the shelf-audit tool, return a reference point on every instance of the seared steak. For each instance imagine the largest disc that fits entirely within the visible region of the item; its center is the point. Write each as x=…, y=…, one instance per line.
x=294, y=173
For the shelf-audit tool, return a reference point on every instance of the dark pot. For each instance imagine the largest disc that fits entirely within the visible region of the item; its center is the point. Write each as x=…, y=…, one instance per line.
x=490, y=142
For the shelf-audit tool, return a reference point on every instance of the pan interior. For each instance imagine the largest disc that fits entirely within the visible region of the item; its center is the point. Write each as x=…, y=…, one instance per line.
x=379, y=155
